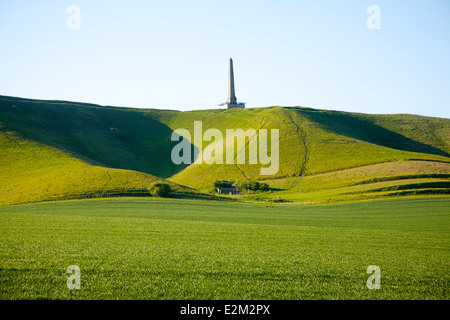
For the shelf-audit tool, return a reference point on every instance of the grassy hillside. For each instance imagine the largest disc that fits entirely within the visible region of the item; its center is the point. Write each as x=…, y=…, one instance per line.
x=31, y=171
x=115, y=137
x=390, y=179
x=321, y=151
x=313, y=142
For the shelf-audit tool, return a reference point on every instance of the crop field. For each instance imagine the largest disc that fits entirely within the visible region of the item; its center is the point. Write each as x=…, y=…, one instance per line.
x=147, y=248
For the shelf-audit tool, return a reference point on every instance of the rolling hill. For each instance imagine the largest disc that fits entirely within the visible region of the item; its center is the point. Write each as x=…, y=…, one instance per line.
x=59, y=150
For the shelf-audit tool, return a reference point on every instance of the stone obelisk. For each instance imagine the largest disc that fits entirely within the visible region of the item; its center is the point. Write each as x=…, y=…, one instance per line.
x=231, y=101
x=231, y=94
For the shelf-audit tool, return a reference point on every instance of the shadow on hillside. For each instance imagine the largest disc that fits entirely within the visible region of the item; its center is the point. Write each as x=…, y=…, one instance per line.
x=351, y=126
x=114, y=137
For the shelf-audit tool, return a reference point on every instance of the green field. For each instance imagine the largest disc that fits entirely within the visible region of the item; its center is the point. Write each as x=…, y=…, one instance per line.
x=140, y=248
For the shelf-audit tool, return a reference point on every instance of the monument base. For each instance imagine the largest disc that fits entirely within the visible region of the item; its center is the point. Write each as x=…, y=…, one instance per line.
x=240, y=105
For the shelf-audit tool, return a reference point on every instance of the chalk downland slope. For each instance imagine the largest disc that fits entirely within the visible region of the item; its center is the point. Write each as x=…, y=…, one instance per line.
x=65, y=150
x=323, y=151
x=33, y=172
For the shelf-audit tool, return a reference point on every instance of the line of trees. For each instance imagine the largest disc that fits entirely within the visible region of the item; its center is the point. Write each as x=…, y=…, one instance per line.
x=249, y=185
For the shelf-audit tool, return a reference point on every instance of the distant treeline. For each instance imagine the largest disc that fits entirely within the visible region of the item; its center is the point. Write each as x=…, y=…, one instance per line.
x=249, y=185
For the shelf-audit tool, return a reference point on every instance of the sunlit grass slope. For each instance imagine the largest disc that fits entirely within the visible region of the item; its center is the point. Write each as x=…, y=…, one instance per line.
x=122, y=138
x=314, y=142
x=32, y=172
x=320, y=150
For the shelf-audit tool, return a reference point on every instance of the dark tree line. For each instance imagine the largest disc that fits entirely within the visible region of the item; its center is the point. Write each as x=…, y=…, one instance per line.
x=242, y=185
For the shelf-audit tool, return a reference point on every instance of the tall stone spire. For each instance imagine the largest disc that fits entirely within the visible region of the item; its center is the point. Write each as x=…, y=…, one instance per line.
x=231, y=101
x=231, y=94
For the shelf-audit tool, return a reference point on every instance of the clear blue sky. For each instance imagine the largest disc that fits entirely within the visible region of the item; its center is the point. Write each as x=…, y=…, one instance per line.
x=174, y=54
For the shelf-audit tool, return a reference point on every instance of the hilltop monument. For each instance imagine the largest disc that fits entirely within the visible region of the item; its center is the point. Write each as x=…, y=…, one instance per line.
x=231, y=101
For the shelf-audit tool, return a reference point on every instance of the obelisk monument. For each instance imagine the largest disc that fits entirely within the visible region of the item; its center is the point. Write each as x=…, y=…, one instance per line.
x=231, y=93
x=231, y=101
